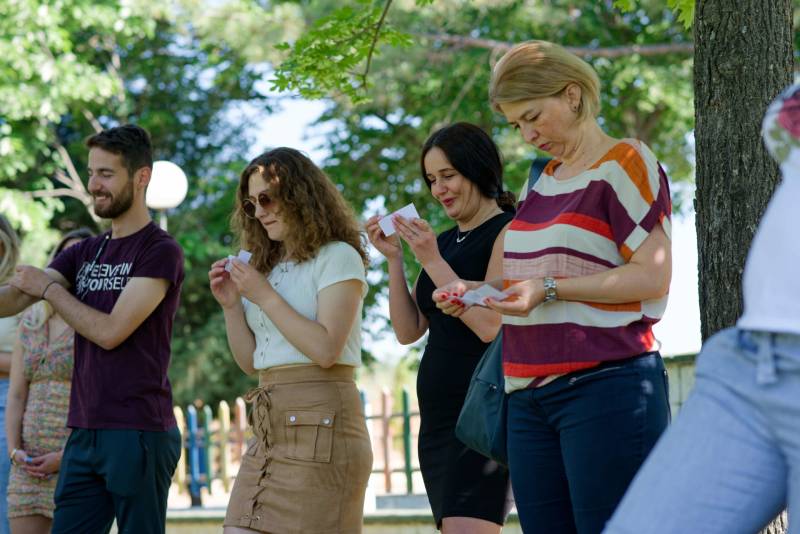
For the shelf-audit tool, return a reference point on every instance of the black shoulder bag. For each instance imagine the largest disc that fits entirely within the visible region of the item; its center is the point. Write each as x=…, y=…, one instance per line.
x=481, y=424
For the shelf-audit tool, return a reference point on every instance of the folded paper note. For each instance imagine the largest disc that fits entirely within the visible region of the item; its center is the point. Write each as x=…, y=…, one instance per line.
x=243, y=257
x=407, y=212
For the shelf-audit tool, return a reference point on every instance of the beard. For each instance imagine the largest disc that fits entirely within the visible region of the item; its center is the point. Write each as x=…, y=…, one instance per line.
x=119, y=204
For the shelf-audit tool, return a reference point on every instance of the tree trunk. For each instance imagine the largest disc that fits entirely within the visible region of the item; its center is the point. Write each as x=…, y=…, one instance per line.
x=743, y=59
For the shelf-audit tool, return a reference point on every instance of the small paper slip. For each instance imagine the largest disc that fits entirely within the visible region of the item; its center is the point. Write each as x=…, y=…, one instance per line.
x=243, y=256
x=407, y=212
x=475, y=297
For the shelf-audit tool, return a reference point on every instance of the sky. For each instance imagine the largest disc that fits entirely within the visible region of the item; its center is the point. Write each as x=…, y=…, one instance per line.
x=679, y=329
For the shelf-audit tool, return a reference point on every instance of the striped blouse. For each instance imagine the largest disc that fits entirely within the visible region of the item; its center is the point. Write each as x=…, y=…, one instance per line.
x=587, y=224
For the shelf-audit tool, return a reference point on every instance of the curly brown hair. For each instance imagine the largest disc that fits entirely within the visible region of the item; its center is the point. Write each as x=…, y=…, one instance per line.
x=312, y=208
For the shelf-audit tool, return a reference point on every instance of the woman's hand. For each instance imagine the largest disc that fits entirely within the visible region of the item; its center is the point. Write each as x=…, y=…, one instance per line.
x=388, y=246
x=523, y=297
x=420, y=237
x=20, y=457
x=43, y=466
x=250, y=283
x=222, y=287
x=448, y=297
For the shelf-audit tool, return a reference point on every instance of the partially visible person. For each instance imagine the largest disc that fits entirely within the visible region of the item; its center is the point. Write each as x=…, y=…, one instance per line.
x=36, y=411
x=463, y=169
x=120, y=292
x=731, y=461
x=294, y=318
x=9, y=255
x=587, y=264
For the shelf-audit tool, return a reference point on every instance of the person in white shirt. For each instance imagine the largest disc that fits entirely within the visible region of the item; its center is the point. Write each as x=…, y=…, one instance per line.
x=731, y=461
x=293, y=315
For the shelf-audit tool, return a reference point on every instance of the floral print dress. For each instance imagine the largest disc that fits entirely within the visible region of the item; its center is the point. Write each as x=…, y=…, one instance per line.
x=48, y=371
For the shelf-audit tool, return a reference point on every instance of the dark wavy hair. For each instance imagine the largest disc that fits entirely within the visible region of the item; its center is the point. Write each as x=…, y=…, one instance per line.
x=474, y=155
x=129, y=141
x=313, y=209
x=79, y=233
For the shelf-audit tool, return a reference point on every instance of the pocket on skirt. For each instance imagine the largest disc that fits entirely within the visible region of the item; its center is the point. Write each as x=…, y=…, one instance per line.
x=309, y=435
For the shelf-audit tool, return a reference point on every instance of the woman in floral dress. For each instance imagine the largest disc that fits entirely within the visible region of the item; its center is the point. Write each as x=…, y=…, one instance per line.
x=36, y=412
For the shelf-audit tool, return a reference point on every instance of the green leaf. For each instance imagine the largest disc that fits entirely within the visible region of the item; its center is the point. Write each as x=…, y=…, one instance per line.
x=685, y=11
x=625, y=5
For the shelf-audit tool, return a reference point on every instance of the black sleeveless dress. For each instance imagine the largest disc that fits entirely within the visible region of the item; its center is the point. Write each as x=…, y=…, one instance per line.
x=459, y=481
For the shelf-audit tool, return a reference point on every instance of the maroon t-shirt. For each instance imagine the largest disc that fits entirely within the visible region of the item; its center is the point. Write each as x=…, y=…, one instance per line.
x=125, y=387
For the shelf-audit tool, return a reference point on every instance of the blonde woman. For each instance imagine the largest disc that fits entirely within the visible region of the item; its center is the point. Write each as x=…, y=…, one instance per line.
x=9, y=255
x=587, y=262
x=293, y=316
x=36, y=412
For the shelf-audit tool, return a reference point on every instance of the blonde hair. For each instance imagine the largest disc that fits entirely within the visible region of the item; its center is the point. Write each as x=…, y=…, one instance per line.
x=541, y=69
x=10, y=243
x=313, y=209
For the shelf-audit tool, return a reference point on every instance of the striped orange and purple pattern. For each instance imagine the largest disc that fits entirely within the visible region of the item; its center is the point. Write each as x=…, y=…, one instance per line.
x=587, y=224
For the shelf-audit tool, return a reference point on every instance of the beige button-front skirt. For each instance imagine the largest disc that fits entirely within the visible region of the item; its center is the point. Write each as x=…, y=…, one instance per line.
x=306, y=470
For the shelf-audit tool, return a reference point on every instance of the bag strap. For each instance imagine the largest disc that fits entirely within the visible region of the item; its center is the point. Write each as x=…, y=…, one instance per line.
x=537, y=166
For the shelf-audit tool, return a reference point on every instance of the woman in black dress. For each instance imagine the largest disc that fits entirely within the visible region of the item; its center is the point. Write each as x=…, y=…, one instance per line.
x=463, y=169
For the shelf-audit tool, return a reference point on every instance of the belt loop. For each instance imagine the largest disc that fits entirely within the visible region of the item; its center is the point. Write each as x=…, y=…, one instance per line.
x=746, y=340
x=766, y=371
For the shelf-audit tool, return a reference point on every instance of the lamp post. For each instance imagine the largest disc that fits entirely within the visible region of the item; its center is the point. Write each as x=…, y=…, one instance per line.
x=167, y=189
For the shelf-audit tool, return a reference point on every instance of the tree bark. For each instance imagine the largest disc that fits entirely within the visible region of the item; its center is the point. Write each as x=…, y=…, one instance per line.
x=743, y=59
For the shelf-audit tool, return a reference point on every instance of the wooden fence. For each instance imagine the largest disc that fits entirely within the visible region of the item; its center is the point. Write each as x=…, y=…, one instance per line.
x=215, y=440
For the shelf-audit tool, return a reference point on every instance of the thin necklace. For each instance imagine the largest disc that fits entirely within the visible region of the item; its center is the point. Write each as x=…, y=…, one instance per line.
x=459, y=237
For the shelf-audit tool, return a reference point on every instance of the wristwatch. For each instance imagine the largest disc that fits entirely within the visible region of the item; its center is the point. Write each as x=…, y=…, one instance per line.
x=550, y=289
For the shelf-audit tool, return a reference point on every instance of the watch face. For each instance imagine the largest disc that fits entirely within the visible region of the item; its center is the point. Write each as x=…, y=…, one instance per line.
x=549, y=289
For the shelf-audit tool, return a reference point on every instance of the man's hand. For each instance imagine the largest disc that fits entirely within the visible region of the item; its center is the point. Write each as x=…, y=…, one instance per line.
x=30, y=280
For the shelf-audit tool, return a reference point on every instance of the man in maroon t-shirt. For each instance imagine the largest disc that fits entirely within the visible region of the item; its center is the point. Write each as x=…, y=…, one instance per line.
x=119, y=291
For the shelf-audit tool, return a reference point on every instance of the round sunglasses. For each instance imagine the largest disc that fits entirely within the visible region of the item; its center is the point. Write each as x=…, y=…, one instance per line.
x=249, y=207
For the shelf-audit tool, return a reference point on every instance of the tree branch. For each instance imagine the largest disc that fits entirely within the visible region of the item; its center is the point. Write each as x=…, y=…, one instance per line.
x=607, y=52
x=73, y=179
x=374, y=42
x=61, y=192
x=93, y=121
x=461, y=94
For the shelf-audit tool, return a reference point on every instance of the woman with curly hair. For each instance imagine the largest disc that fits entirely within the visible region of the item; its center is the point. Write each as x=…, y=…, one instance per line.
x=293, y=315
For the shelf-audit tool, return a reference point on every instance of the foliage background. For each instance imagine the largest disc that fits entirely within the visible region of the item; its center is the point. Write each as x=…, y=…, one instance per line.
x=201, y=75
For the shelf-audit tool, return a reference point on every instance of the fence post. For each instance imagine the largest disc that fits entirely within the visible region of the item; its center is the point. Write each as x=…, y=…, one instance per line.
x=194, y=457
x=407, y=442
x=386, y=416
x=224, y=414
x=240, y=425
x=208, y=418
x=180, y=470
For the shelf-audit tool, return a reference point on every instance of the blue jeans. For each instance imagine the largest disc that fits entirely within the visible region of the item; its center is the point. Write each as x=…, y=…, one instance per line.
x=575, y=444
x=5, y=464
x=731, y=461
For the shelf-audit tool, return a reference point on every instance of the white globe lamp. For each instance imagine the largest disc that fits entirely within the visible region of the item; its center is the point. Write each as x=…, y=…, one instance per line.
x=167, y=189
